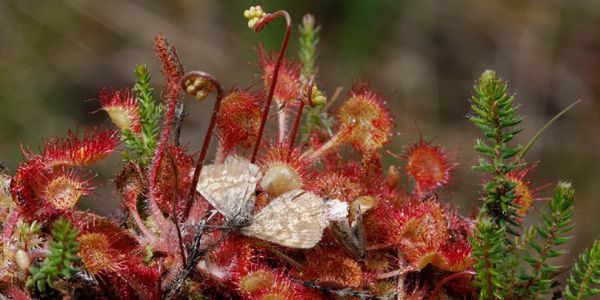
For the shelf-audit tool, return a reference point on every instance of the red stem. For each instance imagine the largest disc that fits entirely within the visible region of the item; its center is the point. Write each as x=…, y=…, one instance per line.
x=207, y=137
x=264, y=21
x=441, y=283
x=297, y=122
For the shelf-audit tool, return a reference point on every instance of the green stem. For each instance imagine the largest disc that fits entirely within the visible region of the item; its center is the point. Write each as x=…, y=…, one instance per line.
x=537, y=135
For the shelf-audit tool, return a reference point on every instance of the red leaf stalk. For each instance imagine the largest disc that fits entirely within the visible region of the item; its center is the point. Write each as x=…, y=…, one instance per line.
x=171, y=70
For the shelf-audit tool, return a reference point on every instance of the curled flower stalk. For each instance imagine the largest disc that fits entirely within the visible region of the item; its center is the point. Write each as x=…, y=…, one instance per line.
x=257, y=21
x=200, y=84
x=288, y=88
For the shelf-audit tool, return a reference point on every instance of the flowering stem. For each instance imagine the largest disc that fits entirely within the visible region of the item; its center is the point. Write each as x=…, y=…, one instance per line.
x=263, y=22
x=298, y=118
x=207, y=138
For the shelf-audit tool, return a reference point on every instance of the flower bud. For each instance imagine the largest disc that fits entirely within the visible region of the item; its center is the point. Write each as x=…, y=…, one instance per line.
x=316, y=96
x=254, y=14
x=308, y=22
x=198, y=87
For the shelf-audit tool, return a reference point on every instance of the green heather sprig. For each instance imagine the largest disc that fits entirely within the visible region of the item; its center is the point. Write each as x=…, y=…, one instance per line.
x=489, y=253
x=309, y=40
x=553, y=233
x=585, y=274
x=141, y=147
x=518, y=268
x=494, y=114
x=63, y=254
x=317, y=116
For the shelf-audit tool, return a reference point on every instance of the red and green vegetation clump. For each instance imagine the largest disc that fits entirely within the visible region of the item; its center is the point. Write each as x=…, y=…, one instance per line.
x=400, y=239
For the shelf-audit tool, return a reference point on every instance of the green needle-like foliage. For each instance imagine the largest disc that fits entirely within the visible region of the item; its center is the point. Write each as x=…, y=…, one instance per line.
x=489, y=253
x=150, y=112
x=584, y=275
x=141, y=147
x=63, y=254
x=518, y=268
x=309, y=39
x=494, y=114
x=553, y=233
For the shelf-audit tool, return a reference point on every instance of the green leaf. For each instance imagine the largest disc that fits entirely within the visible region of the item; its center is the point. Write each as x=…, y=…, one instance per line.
x=494, y=113
x=552, y=234
x=140, y=146
x=584, y=274
x=489, y=255
x=63, y=254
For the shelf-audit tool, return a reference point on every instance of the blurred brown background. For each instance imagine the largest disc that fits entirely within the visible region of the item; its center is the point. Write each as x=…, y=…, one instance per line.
x=423, y=55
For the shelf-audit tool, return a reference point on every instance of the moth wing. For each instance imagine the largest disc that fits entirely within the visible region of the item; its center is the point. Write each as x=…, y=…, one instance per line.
x=230, y=187
x=295, y=219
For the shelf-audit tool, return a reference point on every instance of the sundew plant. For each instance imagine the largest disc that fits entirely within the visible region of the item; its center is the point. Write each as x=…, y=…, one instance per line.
x=295, y=202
